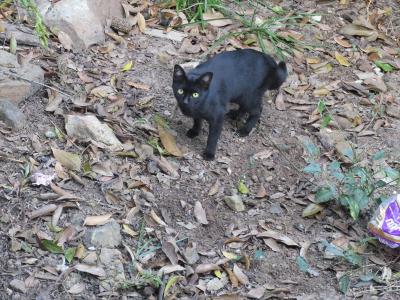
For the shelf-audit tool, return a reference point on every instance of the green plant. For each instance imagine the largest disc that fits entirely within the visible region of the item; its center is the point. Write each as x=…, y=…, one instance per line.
x=37, y=18
x=194, y=9
x=352, y=184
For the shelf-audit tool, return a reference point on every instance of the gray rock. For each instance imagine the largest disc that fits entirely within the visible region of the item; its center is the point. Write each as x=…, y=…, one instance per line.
x=107, y=235
x=235, y=202
x=14, y=88
x=18, y=285
x=11, y=115
x=111, y=261
x=82, y=20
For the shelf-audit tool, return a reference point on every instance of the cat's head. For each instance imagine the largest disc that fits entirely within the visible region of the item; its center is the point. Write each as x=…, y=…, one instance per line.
x=190, y=93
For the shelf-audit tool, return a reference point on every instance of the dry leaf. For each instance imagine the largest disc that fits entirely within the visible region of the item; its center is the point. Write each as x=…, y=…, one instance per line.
x=342, y=42
x=243, y=279
x=43, y=211
x=219, y=19
x=77, y=288
x=128, y=230
x=67, y=235
x=279, y=102
x=166, y=167
x=215, y=188
x=103, y=91
x=97, y=220
x=273, y=245
x=205, y=268
x=262, y=192
x=312, y=209
x=156, y=218
x=140, y=86
x=141, y=22
x=342, y=60
x=169, y=142
x=69, y=160
x=200, y=213
x=277, y=236
x=232, y=277
x=55, y=100
x=97, y=271
x=65, y=40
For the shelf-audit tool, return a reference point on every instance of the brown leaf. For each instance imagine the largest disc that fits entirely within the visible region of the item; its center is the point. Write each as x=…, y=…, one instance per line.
x=262, y=192
x=156, y=218
x=219, y=19
x=273, y=245
x=280, y=102
x=243, y=279
x=43, y=211
x=65, y=40
x=166, y=167
x=169, y=142
x=205, y=268
x=57, y=215
x=140, y=86
x=55, y=100
x=268, y=233
x=67, y=235
x=342, y=42
x=215, y=188
x=170, y=251
x=200, y=213
x=97, y=220
x=232, y=277
x=69, y=160
x=141, y=22
x=77, y=288
x=97, y=271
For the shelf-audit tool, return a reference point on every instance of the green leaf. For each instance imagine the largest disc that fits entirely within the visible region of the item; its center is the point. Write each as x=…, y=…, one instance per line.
x=26, y=247
x=171, y=282
x=326, y=120
x=325, y=194
x=128, y=66
x=51, y=246
x=385, y=67
x=321, y=107
x=332, y=249
x=379, y=155
x=69, y=254
x=278, y=10
x=344, y=283
x=361, y=197
x=312, y=168
x=353, y=258
x=242, y=188
x=354, y=208
x=302, y=264
x=311, y=149
x=392, y=173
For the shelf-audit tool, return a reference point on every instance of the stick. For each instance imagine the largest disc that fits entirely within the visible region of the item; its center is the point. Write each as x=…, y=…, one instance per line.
x=39, y=83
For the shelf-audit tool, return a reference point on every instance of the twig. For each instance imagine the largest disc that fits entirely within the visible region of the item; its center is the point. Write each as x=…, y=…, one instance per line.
x=39, y=83
x=162, y=288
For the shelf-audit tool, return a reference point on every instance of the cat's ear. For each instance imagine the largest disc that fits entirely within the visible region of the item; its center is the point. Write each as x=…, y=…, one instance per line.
x=205, y=80
x=179, y=73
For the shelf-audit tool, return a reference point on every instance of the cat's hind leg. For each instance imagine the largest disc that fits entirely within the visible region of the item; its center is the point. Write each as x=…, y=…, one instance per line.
x=254, y=115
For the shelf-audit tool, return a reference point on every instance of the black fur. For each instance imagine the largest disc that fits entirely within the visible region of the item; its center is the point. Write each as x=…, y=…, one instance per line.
x=240, y=76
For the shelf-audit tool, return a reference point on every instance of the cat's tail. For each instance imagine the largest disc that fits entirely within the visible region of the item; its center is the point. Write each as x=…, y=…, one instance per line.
x=279, y=77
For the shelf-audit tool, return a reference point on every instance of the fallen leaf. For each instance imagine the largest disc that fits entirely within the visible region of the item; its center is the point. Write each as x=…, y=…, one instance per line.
x=140, y=86
x=256, y=293
x=128, y=66
x=273, y=245
x=170, y=269
x=169, y=142
x=97, y=271
x=55, y=100
x=141, y=22
x=171, y=282
x=242, y=188
x=156, y=218
x=102, y=91
x=277, y=236
x=219, y=19
x=262, y=192
x=243, y=279
x=342, y=60
x=67, y=235
x=280, y=102
x=97, y=220
x=200, y=213
x=128, y=230
x=342, y=42
x=205, y=268
x=69, y=160
x=77, y=288
x=215, y=188
x=312, y=209
x=43, y=211
x=65, y=40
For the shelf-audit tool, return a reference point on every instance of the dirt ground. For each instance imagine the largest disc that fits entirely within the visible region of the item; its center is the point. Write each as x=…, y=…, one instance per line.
x=136, y=183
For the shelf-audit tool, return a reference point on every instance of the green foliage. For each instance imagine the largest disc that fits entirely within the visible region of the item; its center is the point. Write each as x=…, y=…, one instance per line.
x=385, y=67
x=37, y=18
x=153, y=142
x=194, y=9
x=353, y=185
x=325, y=115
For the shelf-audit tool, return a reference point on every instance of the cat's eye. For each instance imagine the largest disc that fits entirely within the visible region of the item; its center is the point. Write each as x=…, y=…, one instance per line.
x=195, y=95
x=180, y=91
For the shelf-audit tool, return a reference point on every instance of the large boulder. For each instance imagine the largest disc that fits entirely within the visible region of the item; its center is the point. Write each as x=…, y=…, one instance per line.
x=82, y=20
x=13, y=87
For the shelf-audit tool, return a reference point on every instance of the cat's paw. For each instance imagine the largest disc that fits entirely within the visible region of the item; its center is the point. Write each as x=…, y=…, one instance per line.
x=191, y=133
x=208, y=155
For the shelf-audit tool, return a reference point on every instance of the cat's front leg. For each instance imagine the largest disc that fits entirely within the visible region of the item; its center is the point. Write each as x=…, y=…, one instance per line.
x=215, y=128
x=195, y=130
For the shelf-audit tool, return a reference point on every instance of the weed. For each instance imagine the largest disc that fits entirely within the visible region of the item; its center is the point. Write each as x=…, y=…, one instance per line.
x=194, y=9
x=353, y=184
x=37, y=18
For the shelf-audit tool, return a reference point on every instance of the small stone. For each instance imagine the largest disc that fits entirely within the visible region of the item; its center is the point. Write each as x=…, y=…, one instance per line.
x=108, y=235
x=50, y=134
x=18, y=285
x=235, y=202
x=11, y=114
x=111, y=260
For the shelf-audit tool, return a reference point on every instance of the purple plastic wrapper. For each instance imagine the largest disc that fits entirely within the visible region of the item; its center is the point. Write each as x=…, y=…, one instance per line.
x=385, y=224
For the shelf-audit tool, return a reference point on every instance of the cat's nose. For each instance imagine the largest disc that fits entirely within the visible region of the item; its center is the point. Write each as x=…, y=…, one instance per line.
x=186, y=100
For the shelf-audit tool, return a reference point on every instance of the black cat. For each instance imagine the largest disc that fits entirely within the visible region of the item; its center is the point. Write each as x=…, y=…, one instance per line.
x=240, y=76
